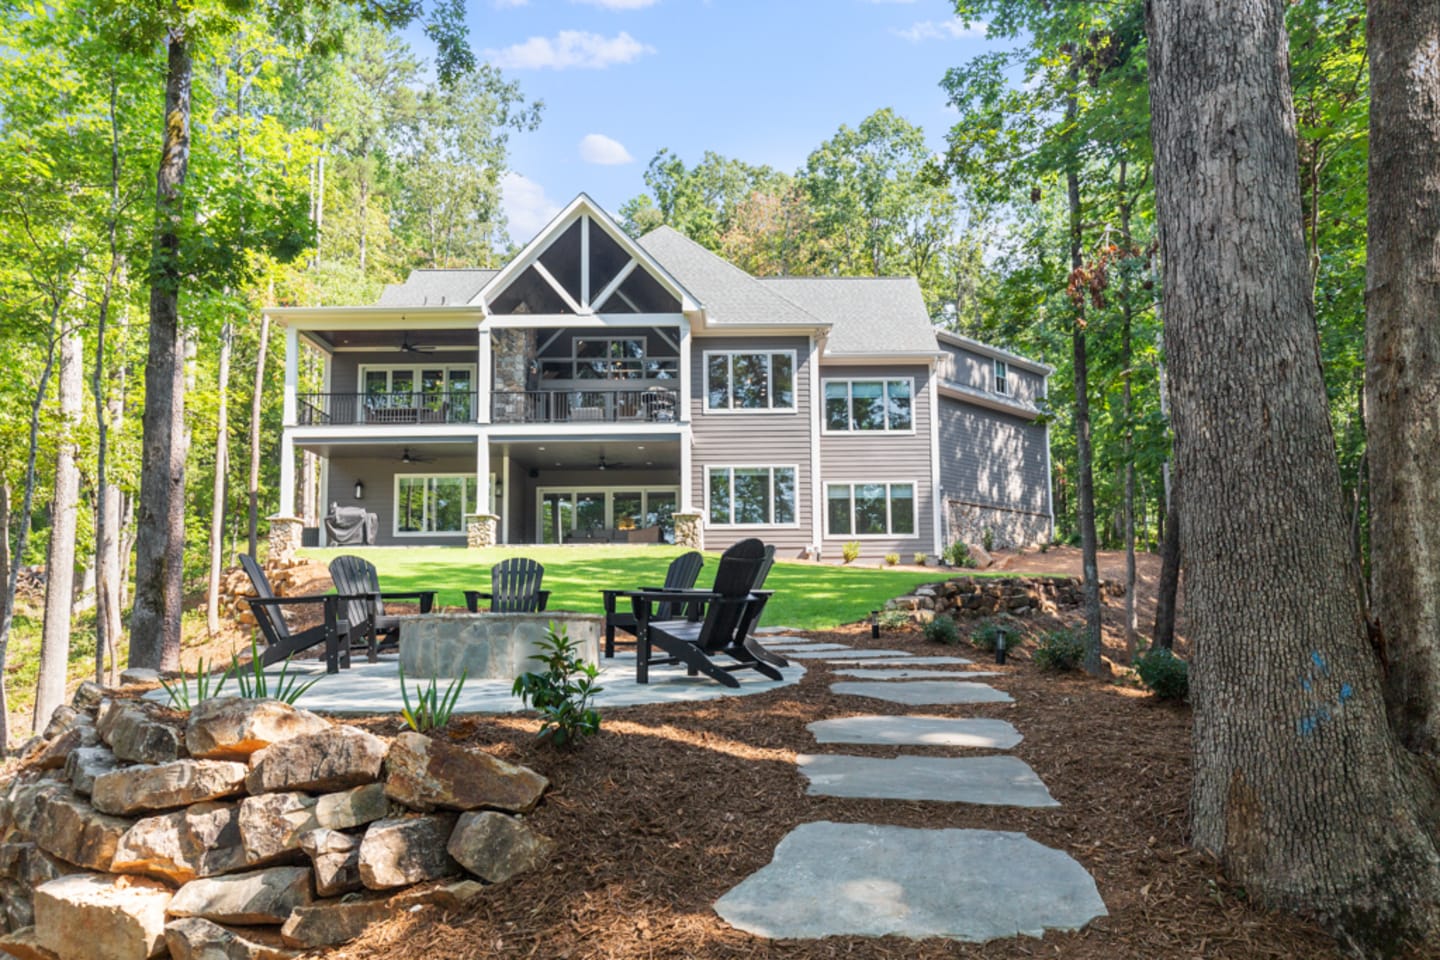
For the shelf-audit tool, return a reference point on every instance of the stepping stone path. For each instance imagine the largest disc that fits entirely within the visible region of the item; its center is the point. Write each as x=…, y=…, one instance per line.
x=834, y=879
x=806, y=645
x=770, y=631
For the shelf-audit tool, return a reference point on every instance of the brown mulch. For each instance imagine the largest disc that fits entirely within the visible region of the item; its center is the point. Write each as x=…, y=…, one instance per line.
x=672, y=805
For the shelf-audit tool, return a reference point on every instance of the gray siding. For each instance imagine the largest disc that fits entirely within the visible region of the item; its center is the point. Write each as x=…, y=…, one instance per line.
x=875, y=456
x=977, y=371
x=754, y=439
x=992, y=459
x=345, y=364
x=378, y=474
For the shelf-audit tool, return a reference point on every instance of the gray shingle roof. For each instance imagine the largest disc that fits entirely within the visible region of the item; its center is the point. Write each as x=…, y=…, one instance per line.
x=729, y=294
x=435, y=288
x=870, y=315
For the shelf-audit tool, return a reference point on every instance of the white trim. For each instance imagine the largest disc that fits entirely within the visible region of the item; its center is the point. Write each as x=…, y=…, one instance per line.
x=687, y=472
x=1049, y=483
x=990, y=401
x=505, y=494
x=975, y=346
x=817, y=413
x=324, y=495
x=416, y=391
x=644, y=489
x=937, y=499
x=885, y=431
x=732, y=467
x=545, y=275
x=484, y=376
x=287, y=475
x=375, y=318
x=399, y=432
x=875, y=359
x=889, y=533
x=996, y=364
x=614, y=284
x=585, y=263
x=551, y=321
x=288, y=403
x=793, y=409
x=395, y=530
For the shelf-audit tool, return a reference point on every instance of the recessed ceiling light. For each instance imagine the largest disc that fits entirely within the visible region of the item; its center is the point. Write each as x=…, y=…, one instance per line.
x=640, y=447
x=540, y=448
x=649, y=463
x=557, y=463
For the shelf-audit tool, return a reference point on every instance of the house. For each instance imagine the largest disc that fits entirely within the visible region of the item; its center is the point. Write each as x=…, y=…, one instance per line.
x=599, y=388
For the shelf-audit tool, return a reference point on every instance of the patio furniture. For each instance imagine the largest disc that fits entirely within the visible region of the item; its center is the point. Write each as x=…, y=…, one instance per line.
x=357, y=577
x=334, y=631
x=730, y=609
x=681, y=576
x=514, y=588
x=350, y=526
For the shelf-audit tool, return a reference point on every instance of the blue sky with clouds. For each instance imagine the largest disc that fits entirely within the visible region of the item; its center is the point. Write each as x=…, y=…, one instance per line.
x=762, y=81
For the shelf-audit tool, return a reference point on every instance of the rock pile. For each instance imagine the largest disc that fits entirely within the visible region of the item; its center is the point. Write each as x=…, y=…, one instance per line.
x=235, y=586
x=987, y=596
x=249, y=830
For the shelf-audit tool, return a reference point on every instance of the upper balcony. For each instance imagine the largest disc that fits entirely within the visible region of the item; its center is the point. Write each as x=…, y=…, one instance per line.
x=648, y=405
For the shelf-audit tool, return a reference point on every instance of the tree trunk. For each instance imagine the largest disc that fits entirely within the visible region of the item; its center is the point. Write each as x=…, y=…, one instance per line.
x=1126, y=361
x=60, y=558
x=1402, y=370
x=160, y=543
x=222, y=471
x=1299, y=787
x=107, y=571
x=1169, y=588
x=361, y=209
x=5, y=600
x=254, y=486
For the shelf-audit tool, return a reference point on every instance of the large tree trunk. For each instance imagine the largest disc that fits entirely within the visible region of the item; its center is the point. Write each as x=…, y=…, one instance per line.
x=1127, y=311
x=5, y=600
x=1402, y=370
x=222, y=470
x=1169, y=588
x=160, y=543
x=107, y=496
x=1299, y=786
x=60, y=558
x=255, y=402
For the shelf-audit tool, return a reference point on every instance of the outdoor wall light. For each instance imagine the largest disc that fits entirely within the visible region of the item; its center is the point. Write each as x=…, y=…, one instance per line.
x=359, y=490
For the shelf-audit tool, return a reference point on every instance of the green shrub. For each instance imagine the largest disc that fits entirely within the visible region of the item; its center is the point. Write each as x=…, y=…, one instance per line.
x=850, y=551
x=255, y=685
x=893, y=619
x=958, y=555
x=891, y=559
x=987, y=635
x=1045, y=546
x=180, y=693
x=1167, y=676
x=1059, y=650
x=921, y=559
x=944, y=630
x=562, y=693
x=432, y=709
x=987, y=540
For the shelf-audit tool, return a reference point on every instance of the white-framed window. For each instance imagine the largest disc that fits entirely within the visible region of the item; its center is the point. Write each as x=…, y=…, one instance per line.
x=870, y=405
x=431, y=503
x=1002, y=378
x=881, y=509
x=609, y=358
x=751, y=496
x=441, y=388
x=738, y=381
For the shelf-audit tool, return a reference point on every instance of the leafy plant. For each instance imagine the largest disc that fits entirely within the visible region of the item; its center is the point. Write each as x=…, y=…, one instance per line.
x=943, y=630
x=1166, y=675
x=891, y=559
x=562, y=692
x=958, y=555
x=893, y=619
x=432, y=709
x=1044, y=546
x=987, y=636
x=850, y=551
x=1059, y=650
x=179, y=694
x=920, y=559
x=256, y=686
x=987, y=539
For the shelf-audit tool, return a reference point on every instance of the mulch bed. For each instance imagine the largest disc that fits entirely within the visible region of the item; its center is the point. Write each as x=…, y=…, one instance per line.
x=672, y=805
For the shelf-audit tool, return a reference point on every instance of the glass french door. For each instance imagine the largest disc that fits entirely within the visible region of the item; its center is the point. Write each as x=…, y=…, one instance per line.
x=591, y=510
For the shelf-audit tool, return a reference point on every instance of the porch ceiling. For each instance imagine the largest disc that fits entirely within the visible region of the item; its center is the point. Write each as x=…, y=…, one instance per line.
x=391, y=339
x=384, y=449
x=585, y=454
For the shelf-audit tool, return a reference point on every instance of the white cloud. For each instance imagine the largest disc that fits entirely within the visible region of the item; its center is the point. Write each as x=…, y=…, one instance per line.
x=954, y=29
x=619, y=4
x=598, y=148
x=570, y=49
x=527, y=207
x=506, y=4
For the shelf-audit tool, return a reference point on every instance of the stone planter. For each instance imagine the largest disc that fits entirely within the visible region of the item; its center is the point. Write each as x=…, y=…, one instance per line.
x=489, y=646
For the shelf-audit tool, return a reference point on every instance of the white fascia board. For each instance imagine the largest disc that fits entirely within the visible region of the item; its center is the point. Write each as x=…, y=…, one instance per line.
x=759, y=329
x=965, y=395
x=874, y=359
x=371, y=433
x=376, y=318
x=1015, y=359
x=546, y=432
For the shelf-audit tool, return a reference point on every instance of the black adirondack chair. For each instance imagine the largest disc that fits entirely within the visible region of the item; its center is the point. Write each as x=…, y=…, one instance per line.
x=730, y=606
x=514, y=588
x=334, y=631
x=681, y=576
x=357, y=577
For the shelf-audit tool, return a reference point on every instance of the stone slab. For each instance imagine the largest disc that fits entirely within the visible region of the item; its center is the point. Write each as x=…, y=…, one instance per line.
x=812, y=654
x=907, y=661
x=917, y=731
x=767, y=631
x=995, y=781
x=916, y=693
x=837, y=879
x=899, y=673
x=489, y=646
x=802, y=645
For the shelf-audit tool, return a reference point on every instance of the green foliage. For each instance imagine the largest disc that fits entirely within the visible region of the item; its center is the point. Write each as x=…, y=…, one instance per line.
x=892, y=559
x=432, y=708
x=893, y=619
x=254, y=684
x=987, y=636
x=562, y=693
x=958, y=555
x=943, y=629
x=850, y=551
x=179, y=692
x=987, y=540
x=920, y=559
x=1166, y=675
x=1059, y=650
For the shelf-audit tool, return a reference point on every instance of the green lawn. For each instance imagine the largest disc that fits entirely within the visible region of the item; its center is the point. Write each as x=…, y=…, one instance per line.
x=808, y=596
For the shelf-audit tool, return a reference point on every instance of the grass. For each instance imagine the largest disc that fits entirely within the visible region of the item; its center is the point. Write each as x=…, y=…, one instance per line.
x=807, y=596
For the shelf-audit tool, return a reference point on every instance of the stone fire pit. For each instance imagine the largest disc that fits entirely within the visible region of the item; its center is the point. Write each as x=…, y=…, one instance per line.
x=489, y=646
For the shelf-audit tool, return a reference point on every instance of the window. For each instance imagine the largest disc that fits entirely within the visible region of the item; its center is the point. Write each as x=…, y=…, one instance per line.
x=418, y=394
x=433, y=503
x=751, y=496
x=1002, y=378
x=610, y=358
x=868, y=405
x=750, y=381
x=870, y=509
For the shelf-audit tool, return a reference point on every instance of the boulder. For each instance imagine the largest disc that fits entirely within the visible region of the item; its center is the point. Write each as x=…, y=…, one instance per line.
x=21, y=813
x=195, y=938
x=64, y=719
x=352, y=808
x=139, y=675
x=17, y=910
x=29, y=865
x=88, y=697
x=144, y=788
x=980, y=556
x=272, y=825
x=260, y=897
x=91, y=917
x=232, y=728
x=136, y=731
x=333, y=759
x=23, y=944
x=495, y=847
x=335, y=857
x=401, y=852
x=82, y=766
x=426, y=774
x=77, y=833
x=200, y=841
x=329, y=922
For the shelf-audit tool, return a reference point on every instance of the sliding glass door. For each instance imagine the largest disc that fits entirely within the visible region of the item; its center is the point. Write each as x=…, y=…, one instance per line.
x=605, y=514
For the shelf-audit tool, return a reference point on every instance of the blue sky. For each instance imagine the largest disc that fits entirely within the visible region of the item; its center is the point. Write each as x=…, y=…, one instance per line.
x=762, y=81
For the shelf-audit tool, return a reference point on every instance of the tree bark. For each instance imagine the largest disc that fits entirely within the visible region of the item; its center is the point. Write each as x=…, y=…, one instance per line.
x=1169, y=588
x=1126, y=362
x=107, y=496
x=254, y=485
x=222, y=471
x=1299, y=786
x=1402, y=369
x=160, y=541
x=60, y=557
x=5, y=603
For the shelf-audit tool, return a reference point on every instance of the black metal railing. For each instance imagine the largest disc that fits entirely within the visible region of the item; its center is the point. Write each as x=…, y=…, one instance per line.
x=653, y=405
x=452, y=406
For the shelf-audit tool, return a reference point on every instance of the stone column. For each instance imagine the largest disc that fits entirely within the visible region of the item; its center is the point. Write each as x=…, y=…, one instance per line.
x=512, y=351
x=480, y=529
x=688, y=531
x=284, y=537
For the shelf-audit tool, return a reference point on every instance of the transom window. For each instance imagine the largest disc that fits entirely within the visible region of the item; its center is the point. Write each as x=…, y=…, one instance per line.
x=609, y=358
x=742, y=380
x=751, y=496
x=869, y=405
x=1002, y=378
x=433, y=503
x=870, y=509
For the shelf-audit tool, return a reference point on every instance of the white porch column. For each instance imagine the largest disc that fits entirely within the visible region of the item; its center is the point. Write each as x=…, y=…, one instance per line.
x=287, y=470
x=482, y=474
x=292, y=378
x=505, y=495
x=684, y=386
x=484, y=375
x=687, y=478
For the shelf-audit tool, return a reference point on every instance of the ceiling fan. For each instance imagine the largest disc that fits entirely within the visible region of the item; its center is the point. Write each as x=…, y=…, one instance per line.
x=407, y=457
x=407, y=347
x=607, y=465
